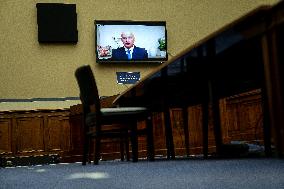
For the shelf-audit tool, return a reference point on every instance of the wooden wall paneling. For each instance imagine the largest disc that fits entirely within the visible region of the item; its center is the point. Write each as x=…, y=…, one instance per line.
x=159, y=134
x=211, y=135
x=57, y=132
x=195, y=129
x=110, y=149
x=224, y=120
x=251, y=114
x=5, y=135
x=232, y=116
x=66, y=133
x=24, y=133
x=142, y=141
x=178, y=131
x=29, y=133
x=53, y=133
x=244, y=117
x=76, y=141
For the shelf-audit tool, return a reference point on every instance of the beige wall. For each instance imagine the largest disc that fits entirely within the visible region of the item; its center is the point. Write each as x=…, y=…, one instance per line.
x=32, y=70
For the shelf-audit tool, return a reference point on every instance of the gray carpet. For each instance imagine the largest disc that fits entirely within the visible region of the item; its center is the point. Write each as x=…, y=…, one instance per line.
x=176, y=174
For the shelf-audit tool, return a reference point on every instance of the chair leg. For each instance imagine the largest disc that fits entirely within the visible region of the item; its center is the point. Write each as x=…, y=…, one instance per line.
x=90, y=146
x=122, y=148
x=134, y=142
x=85, y=149
x=150, y=141
x=169, y=134
x=127, y=149
x=97, y=150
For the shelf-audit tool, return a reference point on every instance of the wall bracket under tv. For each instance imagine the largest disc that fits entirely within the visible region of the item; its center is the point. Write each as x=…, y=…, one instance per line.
x=125, y=41
x=57, y=23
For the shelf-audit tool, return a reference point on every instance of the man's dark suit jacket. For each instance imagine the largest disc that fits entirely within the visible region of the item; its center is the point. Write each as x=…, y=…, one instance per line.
x=138, y=54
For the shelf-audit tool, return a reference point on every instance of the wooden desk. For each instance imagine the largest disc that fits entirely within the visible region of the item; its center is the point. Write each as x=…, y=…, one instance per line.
x=240, y=57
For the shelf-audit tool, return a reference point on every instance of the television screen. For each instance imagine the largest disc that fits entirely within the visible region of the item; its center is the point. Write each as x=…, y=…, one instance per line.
x=130, y=41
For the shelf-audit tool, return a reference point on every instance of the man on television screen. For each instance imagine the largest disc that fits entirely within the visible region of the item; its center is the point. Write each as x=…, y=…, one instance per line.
x=129, y=51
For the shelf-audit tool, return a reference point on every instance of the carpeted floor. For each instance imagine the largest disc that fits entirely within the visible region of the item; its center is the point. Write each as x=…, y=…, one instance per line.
x=177, y=174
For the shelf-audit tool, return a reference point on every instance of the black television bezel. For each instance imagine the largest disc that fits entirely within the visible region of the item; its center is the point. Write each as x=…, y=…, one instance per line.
x=130, y=22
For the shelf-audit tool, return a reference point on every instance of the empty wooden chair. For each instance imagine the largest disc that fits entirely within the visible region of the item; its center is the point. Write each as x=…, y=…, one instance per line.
x=97, y=120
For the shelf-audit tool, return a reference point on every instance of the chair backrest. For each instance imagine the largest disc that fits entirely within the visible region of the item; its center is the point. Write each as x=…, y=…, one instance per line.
x=88, y=89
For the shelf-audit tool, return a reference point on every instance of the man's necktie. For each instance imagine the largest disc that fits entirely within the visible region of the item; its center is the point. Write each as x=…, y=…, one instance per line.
x=128, y=54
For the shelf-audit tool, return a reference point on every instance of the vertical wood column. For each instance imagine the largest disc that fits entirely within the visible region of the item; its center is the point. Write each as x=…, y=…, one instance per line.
x=167, y=119
x=213, y=96
x=274, y=88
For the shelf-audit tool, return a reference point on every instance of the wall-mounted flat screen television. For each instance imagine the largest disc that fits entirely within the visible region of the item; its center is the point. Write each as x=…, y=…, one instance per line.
x=130, y=41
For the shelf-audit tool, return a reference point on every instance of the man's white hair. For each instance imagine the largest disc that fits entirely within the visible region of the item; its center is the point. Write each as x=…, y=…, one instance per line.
x=127, y=34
